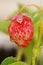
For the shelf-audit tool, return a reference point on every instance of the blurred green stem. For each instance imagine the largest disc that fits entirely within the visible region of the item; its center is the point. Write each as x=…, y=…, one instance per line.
x=29, y=5
x=37, y=44
x=19, y=54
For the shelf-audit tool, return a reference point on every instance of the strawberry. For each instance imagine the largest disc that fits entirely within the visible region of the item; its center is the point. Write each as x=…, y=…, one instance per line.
x=21, y=29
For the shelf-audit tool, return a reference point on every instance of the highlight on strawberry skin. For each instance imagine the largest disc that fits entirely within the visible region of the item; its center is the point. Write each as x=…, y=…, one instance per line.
x=21, y=29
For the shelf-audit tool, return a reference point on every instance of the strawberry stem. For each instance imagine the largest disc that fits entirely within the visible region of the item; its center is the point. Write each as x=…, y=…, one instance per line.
x=19, y=54
x=36, y=51
x=38, y=7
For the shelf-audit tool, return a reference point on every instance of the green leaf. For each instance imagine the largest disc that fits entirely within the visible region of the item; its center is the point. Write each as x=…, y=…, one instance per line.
x=18, y=63
x=4, y=25
x=37, y=16
x=8, y=60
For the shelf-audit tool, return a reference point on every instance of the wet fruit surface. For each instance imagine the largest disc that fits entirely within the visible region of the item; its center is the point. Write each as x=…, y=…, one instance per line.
x=21, y=30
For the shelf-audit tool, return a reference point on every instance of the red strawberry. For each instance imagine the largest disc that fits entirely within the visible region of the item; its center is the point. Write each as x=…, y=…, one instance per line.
x=21, y=30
